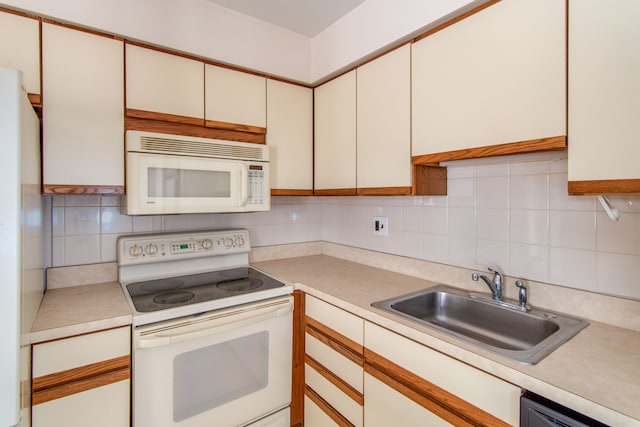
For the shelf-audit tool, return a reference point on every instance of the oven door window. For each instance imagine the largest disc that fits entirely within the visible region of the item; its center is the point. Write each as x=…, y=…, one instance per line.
x=241, y=368
x=174, y=182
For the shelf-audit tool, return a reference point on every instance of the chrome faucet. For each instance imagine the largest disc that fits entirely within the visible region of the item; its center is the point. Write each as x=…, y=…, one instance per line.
x=495, y=285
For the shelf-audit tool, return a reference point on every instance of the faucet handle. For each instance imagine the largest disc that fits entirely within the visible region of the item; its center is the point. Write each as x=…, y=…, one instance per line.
x=522, y=295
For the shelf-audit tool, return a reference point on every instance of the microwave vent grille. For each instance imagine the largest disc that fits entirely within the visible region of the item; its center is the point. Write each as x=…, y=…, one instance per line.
x=200, y=148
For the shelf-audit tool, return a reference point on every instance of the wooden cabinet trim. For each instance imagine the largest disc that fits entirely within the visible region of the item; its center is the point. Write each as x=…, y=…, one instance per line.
x=285, y=192
x=384, y=191
x=235, y=127
x=338, y=342
x=103, y=190
x=609, y=186
x=429, y=180
x=171, y=118
x=555, y=143
x=35, y=100
x=297, y=380
x=336, y=192
x=327, y=408
x=335, y=380
x=76, y=380
x=161, y=126
x=433, y=398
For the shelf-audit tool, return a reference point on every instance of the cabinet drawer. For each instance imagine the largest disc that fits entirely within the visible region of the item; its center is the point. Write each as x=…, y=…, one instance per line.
x=335, y=318
x=106, y=406
x=486, y=392
x=385, y=406
x=341, y=366
x=81, y=350
x=314, y=416
x=340, y=401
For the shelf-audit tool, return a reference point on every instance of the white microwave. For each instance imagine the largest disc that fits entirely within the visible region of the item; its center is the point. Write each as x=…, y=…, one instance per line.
x=173, y=174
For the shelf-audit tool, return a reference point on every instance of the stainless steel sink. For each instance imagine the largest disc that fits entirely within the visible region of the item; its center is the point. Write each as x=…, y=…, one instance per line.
x=524, y=337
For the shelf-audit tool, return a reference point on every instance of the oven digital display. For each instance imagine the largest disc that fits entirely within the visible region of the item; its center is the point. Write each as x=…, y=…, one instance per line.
x=184, y=246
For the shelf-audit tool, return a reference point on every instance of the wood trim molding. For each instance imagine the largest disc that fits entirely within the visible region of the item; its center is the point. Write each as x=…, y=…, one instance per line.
x=234, y=126
x=384, y=191
x=345, y=387
x=336, y=192
x=336, y=416
x=76, y=380
x=609, y=186
x=338, y=342
x=35, y=100
x=285, y=192
x=171, y=118
x=429, y=180
x=103, y=190
x=160, y=126
x=454, y=20
x=555, y=143
x=431, y=397
x=297, y=377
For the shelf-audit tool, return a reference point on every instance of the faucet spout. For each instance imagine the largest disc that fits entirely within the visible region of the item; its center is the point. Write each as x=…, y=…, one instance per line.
x=494, y=285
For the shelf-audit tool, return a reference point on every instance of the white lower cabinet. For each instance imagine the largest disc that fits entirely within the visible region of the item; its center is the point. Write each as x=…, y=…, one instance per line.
x=82, y=381
x=385, y=406
x=453, y=392
x=333, y=367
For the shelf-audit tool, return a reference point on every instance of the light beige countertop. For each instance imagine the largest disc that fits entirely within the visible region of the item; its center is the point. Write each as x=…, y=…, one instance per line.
x=596, y=373
x=76, y=310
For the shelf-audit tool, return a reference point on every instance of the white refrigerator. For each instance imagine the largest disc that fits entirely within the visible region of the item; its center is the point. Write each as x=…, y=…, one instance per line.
x=21, y=245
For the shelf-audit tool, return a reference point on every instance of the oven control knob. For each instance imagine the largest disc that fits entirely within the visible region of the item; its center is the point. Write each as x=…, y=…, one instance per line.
x=240, y=241
x=206, y=244
x=228, y=242
x=135, y=250
x=151, y=249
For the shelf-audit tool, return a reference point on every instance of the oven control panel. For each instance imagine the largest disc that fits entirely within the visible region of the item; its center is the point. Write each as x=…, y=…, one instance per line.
x=151, y=248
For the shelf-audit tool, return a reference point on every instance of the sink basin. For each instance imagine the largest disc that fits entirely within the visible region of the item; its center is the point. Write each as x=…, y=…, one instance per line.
x=526, y=337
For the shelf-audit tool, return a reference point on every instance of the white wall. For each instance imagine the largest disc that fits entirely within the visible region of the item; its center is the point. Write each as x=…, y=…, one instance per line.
x=198, y=27
x=202, y=28
x=512, y=214
x=371, y=27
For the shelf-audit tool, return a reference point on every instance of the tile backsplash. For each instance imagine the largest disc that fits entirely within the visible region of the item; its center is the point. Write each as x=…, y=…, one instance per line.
x=511, y=213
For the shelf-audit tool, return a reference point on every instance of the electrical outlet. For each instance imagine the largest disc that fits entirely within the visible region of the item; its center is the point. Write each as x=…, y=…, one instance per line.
x=380, y=225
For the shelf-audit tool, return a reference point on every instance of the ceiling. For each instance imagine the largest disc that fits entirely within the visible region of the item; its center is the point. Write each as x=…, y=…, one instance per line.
x=306, y=17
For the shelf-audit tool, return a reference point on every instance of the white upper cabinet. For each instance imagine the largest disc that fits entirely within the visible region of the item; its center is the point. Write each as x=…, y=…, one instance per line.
x=604, y=96
x=496, y=77
x=164, y=83
x=290, y=137
x=83, y=110
x=383, y=121
x=20, y=48
x=335, y=135
x=235, y=97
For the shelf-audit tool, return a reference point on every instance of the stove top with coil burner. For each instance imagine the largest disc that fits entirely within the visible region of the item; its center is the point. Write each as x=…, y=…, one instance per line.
x=171, y=275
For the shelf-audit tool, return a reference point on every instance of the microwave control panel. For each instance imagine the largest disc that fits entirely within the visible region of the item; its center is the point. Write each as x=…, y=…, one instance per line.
x=256, y=185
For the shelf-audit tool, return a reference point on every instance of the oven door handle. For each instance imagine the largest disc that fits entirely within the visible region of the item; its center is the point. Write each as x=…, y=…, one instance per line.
x=212, y=324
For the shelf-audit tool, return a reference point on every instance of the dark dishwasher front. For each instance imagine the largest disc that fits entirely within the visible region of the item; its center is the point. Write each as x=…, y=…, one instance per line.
x=536, y=411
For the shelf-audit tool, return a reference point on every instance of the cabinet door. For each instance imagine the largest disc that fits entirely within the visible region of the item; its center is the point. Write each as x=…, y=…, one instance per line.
x=290, y=138
x=82, y=380
x=20, y=48
x=383, y=124
x=234, y=99
x=165, y=84
x=604, y=96
x=496, y=77
x=476, y=394
x=335, y=136
x=384, y=406
x=83, y=117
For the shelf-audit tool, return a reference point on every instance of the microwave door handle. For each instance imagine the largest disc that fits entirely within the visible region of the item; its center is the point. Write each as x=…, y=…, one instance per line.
x=215, y=325
x=244, y=186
